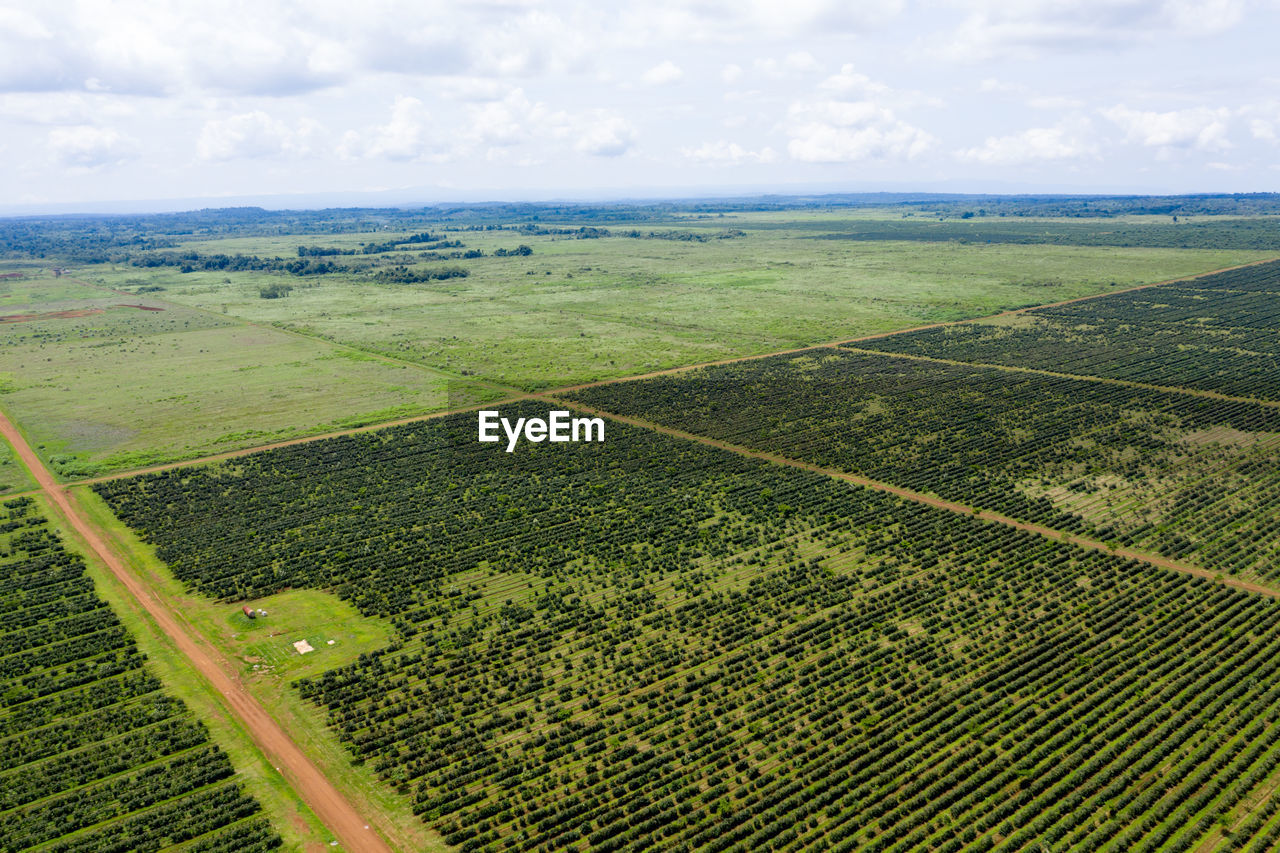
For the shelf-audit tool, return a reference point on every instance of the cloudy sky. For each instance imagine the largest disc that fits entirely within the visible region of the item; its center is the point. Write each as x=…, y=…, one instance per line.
x=153, y=100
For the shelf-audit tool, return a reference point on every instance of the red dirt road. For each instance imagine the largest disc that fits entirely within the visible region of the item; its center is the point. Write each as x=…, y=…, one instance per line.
x=311, y=785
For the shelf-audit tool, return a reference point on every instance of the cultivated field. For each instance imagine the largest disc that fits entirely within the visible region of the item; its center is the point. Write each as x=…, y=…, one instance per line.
x=1181, y=475
x=997, y=583
x=1216, y=333
x=94, y=754
x=651, y=641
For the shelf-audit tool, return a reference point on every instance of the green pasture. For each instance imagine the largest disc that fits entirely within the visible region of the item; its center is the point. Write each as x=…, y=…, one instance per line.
x=578, y=310
x=128, y=387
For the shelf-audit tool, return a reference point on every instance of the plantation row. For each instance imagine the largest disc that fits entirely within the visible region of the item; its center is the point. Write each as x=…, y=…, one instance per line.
x=389, y=518
x=1190, y=477
x=93, y=755
x=652, y=643
x=1215, y=333
x=1258, y=234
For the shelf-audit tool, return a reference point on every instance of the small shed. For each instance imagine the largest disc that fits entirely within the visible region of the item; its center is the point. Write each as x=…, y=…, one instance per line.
x=249, y=611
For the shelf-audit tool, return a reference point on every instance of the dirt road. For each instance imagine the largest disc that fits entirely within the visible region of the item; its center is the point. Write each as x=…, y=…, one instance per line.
x=347, y=826
x=932, y=500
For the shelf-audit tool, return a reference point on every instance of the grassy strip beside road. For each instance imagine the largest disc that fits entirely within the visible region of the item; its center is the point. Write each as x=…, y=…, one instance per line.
x=296, y=823
x=312, y=785
x=301, y=614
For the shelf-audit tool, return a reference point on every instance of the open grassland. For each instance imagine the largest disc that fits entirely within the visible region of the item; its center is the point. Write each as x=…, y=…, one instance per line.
x=94, y=753
x=1216, y=333
x=582, y=309
x=266, y=663
x=652, y=642
x=1186, y=476
x=123, y=386
x=13, y=476
x=21, y=296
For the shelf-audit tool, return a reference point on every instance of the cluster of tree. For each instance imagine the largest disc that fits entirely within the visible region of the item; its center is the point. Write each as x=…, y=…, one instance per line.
x=586, y=232
x=190, y=261
x=116, y=238
x=92, y=748
x=409, y=275
x=275, y=290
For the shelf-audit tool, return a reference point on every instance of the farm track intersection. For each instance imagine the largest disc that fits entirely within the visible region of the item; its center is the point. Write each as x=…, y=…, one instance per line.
x=327, y=802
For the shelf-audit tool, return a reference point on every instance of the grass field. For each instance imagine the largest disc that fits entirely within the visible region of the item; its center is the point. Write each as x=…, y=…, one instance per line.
x=577, y=310
x=13, y=476
x=126, y=386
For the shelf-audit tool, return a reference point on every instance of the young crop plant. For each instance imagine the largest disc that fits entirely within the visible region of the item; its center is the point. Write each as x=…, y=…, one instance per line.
x=94, y=754
x=1188, y=477
x=650, y=643
x=1214, y=333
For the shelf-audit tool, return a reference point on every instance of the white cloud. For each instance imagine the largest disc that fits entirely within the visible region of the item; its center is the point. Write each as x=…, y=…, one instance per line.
x=512, y=128
x=1055, y=103
x=84, y=147
x=1199, y=128
x=52, y=108
x=848, y=122
x=251, y=135
x=850, y=82
x=1028, y=28
x=1066, y=141
x=1264, y=121
x=603, y=134
x=792, y=65
x=731, y=73
x=847, y=131
x=991, y=84
x=662, y=73
x=727, y=153
x=406, y=136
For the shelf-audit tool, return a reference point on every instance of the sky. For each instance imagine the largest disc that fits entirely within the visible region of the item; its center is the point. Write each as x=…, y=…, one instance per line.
x=431, y=101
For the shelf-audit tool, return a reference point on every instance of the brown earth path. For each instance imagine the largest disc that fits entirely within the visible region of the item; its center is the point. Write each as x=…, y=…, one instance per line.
x=930, y=500
x=328, y=804
x=939, y=325
x=1101, y=380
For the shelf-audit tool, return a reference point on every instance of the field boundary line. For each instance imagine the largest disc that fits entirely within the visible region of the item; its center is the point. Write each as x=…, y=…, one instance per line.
x=930, y=500
x=1084, y=377
x=877, y=335
x=517, y=394
x=320, y=795
x=288, y=442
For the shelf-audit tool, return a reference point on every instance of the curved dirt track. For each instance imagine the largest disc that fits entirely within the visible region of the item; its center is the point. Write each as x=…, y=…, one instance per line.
x=312, y=786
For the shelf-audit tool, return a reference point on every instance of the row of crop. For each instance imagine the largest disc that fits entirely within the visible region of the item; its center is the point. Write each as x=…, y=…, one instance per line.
x=92, y=756
x=787, y=661
x=1214, y=333
x=980, y=436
